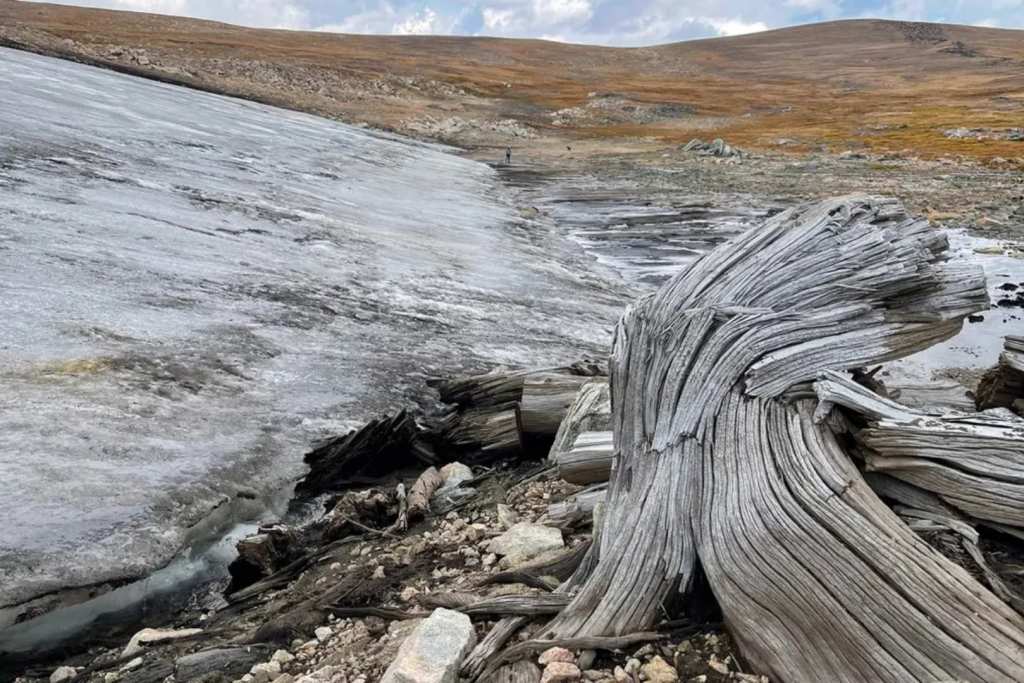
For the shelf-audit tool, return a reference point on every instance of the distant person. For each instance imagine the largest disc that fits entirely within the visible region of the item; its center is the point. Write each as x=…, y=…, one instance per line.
x=508, y=156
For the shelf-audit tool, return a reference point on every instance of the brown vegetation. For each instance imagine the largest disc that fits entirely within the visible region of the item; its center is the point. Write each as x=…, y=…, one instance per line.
x=874, y=85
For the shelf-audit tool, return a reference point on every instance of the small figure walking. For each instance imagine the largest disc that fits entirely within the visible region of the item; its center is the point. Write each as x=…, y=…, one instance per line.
x=508, y=156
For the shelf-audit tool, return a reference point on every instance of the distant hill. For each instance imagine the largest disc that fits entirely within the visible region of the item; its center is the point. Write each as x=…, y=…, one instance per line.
x=864, y=84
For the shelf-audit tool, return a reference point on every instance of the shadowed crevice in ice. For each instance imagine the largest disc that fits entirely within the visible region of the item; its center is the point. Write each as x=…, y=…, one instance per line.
x=196, y=287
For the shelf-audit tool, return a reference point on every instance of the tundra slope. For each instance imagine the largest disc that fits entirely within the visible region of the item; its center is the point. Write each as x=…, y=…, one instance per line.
x=880, y=85
x=196, y=287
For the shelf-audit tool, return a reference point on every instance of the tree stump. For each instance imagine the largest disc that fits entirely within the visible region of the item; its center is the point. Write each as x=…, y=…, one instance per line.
x=718, y=470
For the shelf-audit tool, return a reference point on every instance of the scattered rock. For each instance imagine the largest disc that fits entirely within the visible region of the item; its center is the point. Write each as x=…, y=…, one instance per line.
x=715, y=148
x=454, y=473
x=132, y=665
x=586, y=660
x=64, y=673
x=266, y=672
x=559, y=672
x=525, y=541
x=323, y=633
x=434, y=651
x=659, y=671
x=507, y=517
x=555, y=654
x=282, y=657
x=152, y=636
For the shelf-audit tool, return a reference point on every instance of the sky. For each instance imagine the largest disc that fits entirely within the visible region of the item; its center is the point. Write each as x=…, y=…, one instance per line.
x=605, y=22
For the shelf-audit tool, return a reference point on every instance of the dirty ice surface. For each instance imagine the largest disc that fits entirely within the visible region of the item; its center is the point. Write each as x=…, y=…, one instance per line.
x=195, y=287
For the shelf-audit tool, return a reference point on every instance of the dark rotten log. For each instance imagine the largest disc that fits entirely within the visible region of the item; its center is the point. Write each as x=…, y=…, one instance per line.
x=379, y=448
x=816, y=577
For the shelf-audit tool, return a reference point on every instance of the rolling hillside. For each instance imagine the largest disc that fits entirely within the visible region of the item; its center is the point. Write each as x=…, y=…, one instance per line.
x=868, y=84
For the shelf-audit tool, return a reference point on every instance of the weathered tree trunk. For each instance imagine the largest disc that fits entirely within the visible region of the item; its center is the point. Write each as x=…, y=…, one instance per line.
x=817, y=579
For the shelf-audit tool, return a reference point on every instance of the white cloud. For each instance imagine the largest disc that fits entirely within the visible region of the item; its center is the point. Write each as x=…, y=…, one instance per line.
x=609, y=22
x=735, y=27
x=421, y=23
x=561, y=11
x=498, y=19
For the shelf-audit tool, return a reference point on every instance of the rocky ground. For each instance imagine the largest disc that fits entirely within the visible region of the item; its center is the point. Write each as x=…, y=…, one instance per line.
x=290, y=633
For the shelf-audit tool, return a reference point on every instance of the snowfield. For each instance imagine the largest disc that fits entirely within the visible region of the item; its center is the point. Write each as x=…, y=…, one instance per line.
x=193, y=288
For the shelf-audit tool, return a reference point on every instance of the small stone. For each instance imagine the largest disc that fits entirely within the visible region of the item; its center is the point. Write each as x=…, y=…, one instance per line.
x=454, y=473
x=64, y=673
x=323, y=633
x=408, y=593
x=621, y=676
x=632, y=665
x=555, y=654
x=265, y=673
x=489, y=559
x=659, y=671
x=718, y=665
x=110, y=677
x=247, y=678
x=284, y=678
x=525, y=541
x=507, y=517
x=134, y=664
x=560, y=672
x=434, y=651
x=597, y=675
x=586, y=659
x=378, y=573
x=282, y=657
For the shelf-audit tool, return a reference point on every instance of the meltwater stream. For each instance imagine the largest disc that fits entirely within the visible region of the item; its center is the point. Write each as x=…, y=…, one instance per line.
x=193, y=288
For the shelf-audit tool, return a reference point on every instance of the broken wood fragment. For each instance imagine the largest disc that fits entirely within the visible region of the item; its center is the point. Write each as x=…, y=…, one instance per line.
x=589, y=460
x=1003, y=385
x=591, y=411
x=421, y=492
x=546, y=399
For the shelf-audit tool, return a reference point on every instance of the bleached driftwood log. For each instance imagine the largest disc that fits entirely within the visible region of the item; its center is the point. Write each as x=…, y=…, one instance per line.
x=503, y=386
x=816, y=577
x=488, y=416
x=972, y=462
x=589, y=460
x=546, y=399
x=591, y=411
x=1003, y=385
x=492, y=432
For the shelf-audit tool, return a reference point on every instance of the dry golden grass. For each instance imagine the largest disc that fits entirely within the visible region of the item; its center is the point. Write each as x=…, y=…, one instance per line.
x=875, y=85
